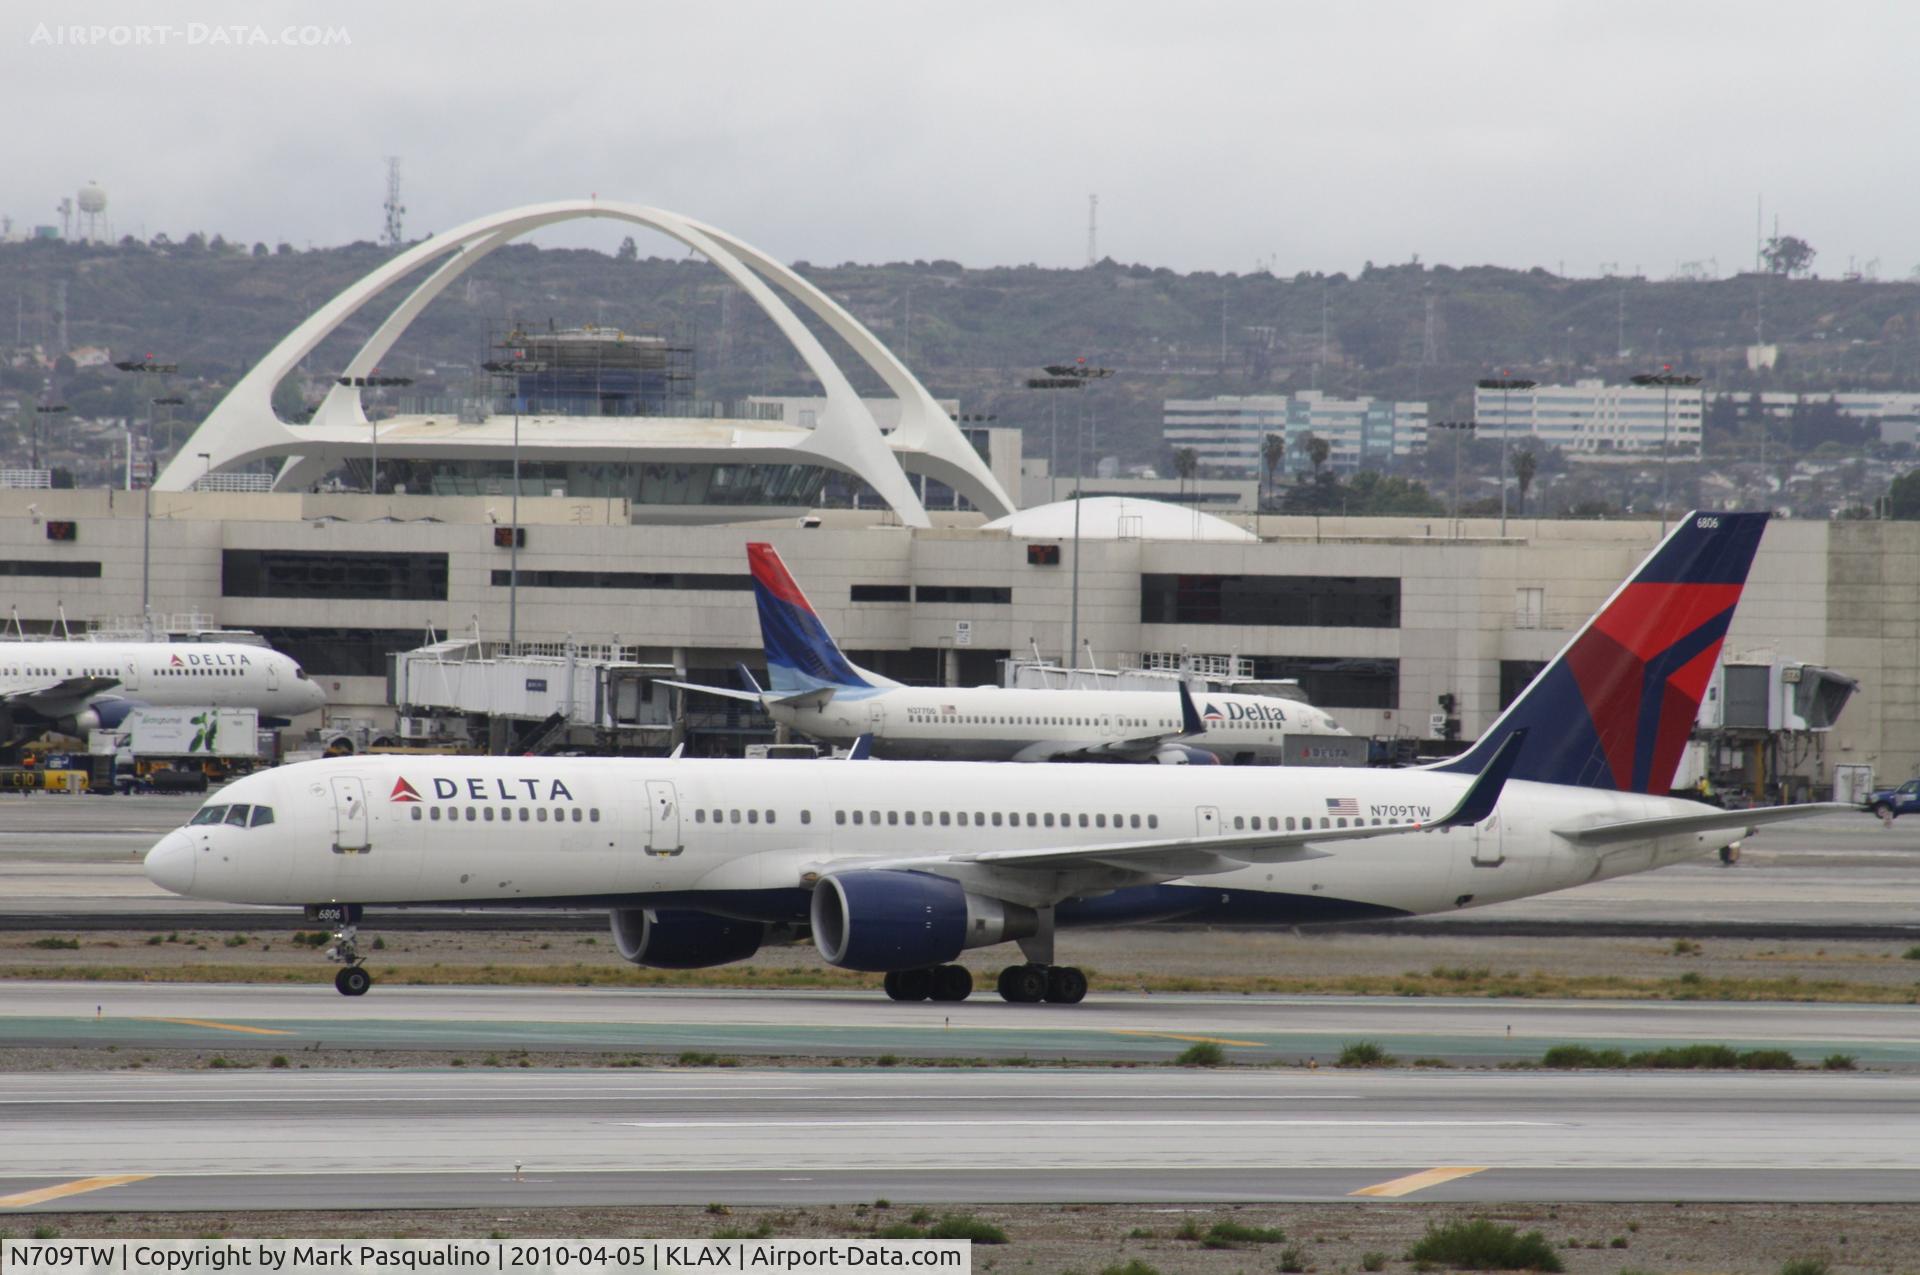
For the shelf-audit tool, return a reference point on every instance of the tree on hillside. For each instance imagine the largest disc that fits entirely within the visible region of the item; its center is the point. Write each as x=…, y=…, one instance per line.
x=1788, y=255
x=1525, y=465
x=1273, y=450
x=1186, y=463
x=1903, y=498
x=628, y=250
x=1317, y=449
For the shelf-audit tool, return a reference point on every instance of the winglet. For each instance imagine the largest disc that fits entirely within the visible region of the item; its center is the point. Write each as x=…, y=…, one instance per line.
x=746, y=676
x=1484, y=792
x=862, y=748
x=1190, y=723
x=679, y=750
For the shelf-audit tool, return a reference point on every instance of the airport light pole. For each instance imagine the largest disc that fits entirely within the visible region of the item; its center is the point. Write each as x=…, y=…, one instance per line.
x=373, y=426
x=514, y=368
x=1457, y=429
x=147, y=367
x=1078, y=374
x=39, y=411
x=1666, y=378
x=1505, y=384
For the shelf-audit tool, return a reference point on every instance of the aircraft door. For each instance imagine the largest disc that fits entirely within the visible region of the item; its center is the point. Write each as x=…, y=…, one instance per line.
x=273, y=675
x=1206, y=821
x=350, y=830
x=130, y=680
x=1488, y=843
x=876, y=717
x=663, y=802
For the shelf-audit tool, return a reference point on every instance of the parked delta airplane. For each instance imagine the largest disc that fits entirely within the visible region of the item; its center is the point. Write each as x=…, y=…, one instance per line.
x=819, y=692
x=898, y=867
x=76, y=687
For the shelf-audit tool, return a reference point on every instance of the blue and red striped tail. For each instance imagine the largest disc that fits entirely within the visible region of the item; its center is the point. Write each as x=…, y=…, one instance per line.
x=801, y=654
x=1616, y=707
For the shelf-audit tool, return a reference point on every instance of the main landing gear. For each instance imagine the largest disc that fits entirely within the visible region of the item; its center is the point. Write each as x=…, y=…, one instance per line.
x=1018, y=984
x=353, y=980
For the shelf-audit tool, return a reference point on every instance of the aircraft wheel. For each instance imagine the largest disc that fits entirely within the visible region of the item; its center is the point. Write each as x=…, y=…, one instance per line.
x=1023, y=984
x=952, y=983
x=909, y=985
x=352, y=981
x=1066, y=985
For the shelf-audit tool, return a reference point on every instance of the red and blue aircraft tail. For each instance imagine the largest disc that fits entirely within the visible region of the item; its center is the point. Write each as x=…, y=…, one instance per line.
x=1615, y=708
x=801, y=654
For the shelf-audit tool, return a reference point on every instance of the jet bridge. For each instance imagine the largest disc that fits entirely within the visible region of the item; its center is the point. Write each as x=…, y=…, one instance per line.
x=533, y=696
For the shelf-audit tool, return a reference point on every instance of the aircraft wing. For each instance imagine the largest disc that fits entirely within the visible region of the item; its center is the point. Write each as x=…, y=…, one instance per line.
x=62, y=698
x=1198, y=856
x=805, y=699
x=1744, y=821
x=1134, y=746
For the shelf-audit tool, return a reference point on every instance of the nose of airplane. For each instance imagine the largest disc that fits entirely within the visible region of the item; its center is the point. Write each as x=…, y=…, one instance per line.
x=170, y=863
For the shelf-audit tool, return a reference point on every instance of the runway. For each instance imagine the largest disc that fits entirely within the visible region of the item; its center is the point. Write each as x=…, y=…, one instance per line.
x=397, y=1140
x=1107, y=1027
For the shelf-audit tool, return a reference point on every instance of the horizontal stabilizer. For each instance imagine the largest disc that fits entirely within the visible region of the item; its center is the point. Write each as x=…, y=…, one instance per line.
x=1706, y=821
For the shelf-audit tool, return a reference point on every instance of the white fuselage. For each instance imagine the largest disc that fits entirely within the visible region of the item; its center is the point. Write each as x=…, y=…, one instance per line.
x=167, y=674
x=736, y=836
x=991, y=723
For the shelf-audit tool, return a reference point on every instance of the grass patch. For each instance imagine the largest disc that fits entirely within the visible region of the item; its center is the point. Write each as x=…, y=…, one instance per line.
x=1134, y=1267
x=1373, y=1260
x=1672, y=1058
x=1234, y=1234
x=1911, y=954
x=1203, y=1054
x=1839, y=1062
x=965, y=1226
x=759, y=1232
x=1804, y=1266
x=1483, y=1245
x=899, y=1231
x=1364, y=1053
x=52, y=944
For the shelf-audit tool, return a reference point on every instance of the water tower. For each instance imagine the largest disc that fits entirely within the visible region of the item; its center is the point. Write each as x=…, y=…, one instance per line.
x=93, y=207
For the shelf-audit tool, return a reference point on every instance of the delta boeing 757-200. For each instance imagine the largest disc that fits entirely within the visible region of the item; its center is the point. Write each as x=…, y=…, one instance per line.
x=898, y=867
x=824, y=695
x=76, y=687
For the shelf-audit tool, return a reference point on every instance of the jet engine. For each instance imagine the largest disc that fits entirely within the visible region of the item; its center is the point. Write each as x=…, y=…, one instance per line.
x=1185, y=755
x=886, y=920
x=105, y=713
x=673, y=939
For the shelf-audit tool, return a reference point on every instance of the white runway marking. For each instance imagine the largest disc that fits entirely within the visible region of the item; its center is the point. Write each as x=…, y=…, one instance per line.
x=1088, y=1124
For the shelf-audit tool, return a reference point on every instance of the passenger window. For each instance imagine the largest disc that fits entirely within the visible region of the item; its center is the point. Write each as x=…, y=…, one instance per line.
x=1049, y=819
x=1083, y=821
x=1153, y=821
x=910, y=819
x=1238, y=823
x=874, y=815
x=1100, y=821
x=541, y=814
x=417, y=816
x=859, y=817
x=525, y=815
x=1032, y=820
x=488, y=815
x=806, y=816
x=893, y=818
x=926, y=816
x=237, y=815
x=769, y=816
x=996, y=818
x=733, y=816
x=578, y=817
x=435, y=816
x=753, y=816
x=1289, y=823
x=946, y=818
x=700, y=815
x=473, y=815
x=593, y=816
x=1135, y=820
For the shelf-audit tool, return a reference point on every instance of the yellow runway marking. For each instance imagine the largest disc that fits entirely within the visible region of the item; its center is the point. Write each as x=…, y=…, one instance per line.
x=221, y=1027
x=1420, y=1181
x=1197, y=1040
x=45, y=1193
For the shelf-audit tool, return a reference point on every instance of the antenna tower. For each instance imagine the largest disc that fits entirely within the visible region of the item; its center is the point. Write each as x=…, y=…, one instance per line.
x=1093, y=229
x=393, y=205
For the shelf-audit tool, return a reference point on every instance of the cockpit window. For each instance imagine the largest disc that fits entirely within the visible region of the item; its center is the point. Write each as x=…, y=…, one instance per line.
x=237, y=815
x=300, y=673
x=262, y=814
x=208, y=814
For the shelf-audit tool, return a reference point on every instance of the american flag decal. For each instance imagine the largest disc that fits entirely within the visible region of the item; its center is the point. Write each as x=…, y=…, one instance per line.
x=1343, y=806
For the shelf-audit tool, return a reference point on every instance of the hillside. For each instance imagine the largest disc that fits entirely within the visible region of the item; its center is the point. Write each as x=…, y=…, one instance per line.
x=975, y=334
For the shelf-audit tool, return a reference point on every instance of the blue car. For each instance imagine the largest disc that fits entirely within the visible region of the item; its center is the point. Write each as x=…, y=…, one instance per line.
x=1890, y=803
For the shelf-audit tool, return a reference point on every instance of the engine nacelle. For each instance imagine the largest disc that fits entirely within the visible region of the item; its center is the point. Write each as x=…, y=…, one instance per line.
x=889, y=920
x=682, y=940
x=1185, y=755
x=105, y=713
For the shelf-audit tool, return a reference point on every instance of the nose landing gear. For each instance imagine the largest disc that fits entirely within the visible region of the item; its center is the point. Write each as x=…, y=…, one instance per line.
x=353, y=980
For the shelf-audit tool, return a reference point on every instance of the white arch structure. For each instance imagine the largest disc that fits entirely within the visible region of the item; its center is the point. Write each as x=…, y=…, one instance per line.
x=244, y=426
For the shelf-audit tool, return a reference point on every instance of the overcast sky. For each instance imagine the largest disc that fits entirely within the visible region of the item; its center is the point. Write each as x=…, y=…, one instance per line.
x=1220, y=136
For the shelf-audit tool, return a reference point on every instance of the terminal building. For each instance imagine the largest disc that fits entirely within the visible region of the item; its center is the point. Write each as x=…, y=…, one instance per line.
x=1592, y=418
x=1228, y=433
x=1380, y=621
